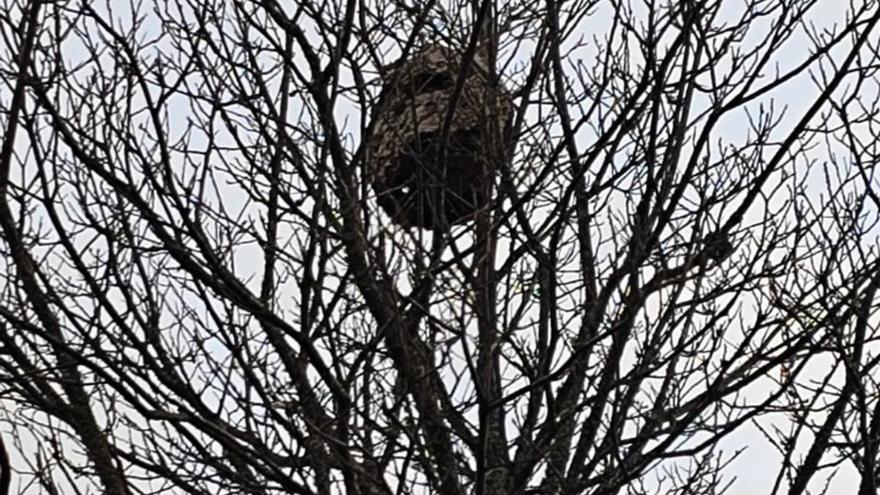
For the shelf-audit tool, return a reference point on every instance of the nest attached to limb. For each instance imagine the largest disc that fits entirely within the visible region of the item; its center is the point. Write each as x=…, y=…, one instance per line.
x=420, y=180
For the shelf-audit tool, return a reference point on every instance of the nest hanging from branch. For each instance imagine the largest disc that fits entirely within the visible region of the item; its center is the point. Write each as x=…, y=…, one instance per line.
x=422, y=176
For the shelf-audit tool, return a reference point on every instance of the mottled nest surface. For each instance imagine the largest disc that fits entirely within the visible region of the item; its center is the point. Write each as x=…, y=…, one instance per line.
x=415, y=182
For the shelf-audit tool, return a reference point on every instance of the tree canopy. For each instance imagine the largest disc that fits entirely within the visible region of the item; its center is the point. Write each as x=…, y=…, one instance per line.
x=669, y=285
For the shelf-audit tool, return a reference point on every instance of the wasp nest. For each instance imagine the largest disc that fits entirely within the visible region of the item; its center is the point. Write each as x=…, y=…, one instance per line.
x=419, y=179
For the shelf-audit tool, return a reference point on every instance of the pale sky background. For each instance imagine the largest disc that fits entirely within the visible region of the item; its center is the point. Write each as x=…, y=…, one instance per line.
x=756, y=468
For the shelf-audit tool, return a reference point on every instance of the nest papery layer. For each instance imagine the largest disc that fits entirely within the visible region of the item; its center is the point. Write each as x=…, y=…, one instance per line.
x=417, y=176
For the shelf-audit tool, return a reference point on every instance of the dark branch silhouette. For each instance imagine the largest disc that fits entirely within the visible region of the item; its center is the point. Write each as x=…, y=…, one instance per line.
x=582, y=247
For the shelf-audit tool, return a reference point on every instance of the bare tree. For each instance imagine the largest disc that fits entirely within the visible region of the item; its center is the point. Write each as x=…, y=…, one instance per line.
x=213, y=282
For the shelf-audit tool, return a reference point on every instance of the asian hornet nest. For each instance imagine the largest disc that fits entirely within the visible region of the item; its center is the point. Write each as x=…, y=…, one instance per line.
x=424, y=175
